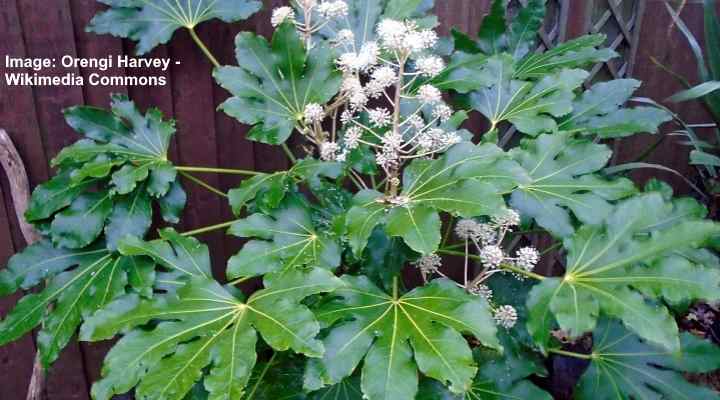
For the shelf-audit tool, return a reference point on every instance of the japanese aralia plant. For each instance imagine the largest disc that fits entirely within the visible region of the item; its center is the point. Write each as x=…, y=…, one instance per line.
x=388, y=186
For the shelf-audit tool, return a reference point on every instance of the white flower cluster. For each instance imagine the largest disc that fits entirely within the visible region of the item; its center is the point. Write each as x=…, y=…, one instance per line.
x=327, y=10
x=394, y=136
x=487, y=239
x=506, y=316
x=429, y=264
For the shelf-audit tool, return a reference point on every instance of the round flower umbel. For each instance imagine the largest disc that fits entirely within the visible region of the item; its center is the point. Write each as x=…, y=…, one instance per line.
x=487, y=238
x=506, y=316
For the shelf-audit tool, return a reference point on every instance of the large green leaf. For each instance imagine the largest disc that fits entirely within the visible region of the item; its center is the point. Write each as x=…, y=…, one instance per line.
x=204, y=333
x=600, y=111
x=106, y=180
x=500, y=376
x=273, y=82
x=531, y=107
x=153, y=22
x=79, y=283
x=624, y=366
x=642, y=254
x=576, y=53
x=287, y=239
x=468, y=181
x=397, y=336
x=269, y=190
x=564, y=180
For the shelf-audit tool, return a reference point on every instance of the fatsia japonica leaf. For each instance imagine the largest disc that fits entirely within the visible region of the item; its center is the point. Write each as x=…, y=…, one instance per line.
x=286, y=239
x=624, y=366
x=282, y=378
x=565, y=181
x=500, y=375
x=153, y=22
x=532, y=107
x=576, y=53
x=107, y=180
x=398, y=335
x=624, y=268
x=79, y=282
x=274, y=82
x=204, y=332
x=599, y=111
x=177, y=256
x=269, y=190
x=467, y=180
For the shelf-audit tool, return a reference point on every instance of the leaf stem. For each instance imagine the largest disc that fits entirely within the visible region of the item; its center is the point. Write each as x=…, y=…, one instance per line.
x=210, y=228
x=395, y=287
x=202, y=47
x=289, y=153
x=218, y=170
x=507, y=267
x=203, y=184
x=240, y=280
x=572, y=354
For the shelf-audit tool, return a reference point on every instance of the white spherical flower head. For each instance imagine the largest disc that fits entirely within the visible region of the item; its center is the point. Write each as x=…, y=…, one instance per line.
x=347, y=116
x=481, y=290
x=282, y=14
x=392, y=33
x=506, y=316
x=333, y=9
x=492, y=256
x=466, y=228
x=527, y=258
x=429, y=264
x=443, y=112
x=362, y=61
x=314, y=113
x=384, y=76
x=507, y=219
x=429, y=94
x=430, y=66
x=379, y=117
x=486, y=234
x=345, y=36
x=352, y=137
x=416, y=42
x=329, y=151
x=358, y=99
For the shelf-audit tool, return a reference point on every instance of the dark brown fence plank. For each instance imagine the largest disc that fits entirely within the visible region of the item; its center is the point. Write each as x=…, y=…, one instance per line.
x=56, y=38
x=197, y=144
x=674, y=52
x=16, y=359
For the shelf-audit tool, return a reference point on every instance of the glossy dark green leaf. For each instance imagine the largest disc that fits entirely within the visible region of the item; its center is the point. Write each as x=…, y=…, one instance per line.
x=576, y=53
x=82, y=222
x=173, y=203
x=204, y=333
x=398, y=335
x=54, y=195
x=287, y=239
x=642, y=254
x=624, y=366
x=565, y=181
x=523, y=29
x=273, y=82
x=153, y=22
x=599, y=111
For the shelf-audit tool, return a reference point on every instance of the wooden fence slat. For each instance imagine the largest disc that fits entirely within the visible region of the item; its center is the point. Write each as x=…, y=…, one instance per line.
x=197, y=143
x=66, y=379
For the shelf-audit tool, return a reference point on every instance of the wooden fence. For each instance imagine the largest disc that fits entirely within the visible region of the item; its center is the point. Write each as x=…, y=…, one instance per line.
x=638, y=29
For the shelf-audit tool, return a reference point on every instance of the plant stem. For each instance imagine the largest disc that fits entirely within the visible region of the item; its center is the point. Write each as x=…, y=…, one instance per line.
x=508, y=267
x=218, y=170
x=210, y=228
x=571, y=354
x=395, y=288
x=203, y=184
x=202, y=47
x=240, y=280
x=289, y=153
